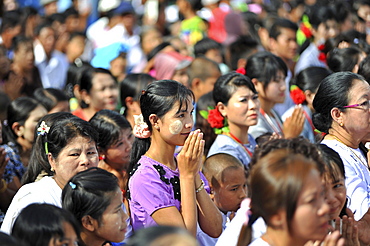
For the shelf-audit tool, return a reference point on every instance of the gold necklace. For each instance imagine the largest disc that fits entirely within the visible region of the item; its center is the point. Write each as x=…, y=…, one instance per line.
x=365, y=164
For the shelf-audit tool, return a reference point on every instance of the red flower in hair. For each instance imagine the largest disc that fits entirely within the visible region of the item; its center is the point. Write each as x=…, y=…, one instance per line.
x=297, y=95
x=322, y=57
x=306, y=31
x=241, y=70
x=215, y=118
x=321, y=47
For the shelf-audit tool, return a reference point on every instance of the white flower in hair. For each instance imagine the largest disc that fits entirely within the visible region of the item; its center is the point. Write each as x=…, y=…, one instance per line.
x=43, y=129
x=141, y=129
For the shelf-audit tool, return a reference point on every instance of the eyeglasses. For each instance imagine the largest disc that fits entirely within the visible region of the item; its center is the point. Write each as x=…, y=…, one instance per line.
x=365, y=105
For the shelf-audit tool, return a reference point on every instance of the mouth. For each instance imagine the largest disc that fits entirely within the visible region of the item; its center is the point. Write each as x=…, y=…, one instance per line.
x=185, y=134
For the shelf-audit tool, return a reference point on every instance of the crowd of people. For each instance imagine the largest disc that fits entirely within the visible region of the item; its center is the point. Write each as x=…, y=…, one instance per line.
x=194, y=122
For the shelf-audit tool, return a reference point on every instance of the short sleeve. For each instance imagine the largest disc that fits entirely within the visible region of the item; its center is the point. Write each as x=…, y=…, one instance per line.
x=149, y=191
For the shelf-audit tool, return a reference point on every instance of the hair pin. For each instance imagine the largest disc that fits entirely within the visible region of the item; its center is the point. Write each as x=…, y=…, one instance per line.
x=43, y=129
x=73, y=186
x=143, y=92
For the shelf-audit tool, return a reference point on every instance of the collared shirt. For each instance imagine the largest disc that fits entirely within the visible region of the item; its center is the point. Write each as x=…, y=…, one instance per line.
x=53, y=72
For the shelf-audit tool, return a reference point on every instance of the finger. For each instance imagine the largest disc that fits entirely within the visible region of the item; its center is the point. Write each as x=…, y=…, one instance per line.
x=196, y=149
x=187, y=142
x=345, y=226
x=337, y=224
x=193, y=140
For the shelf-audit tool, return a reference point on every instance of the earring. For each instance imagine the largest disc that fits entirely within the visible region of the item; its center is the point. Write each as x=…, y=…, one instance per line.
x=52, y=169
x=341, y=124
x=156, y=127
x=102, y=157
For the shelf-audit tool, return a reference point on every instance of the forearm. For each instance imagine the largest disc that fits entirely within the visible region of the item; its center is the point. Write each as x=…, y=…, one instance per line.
x=209, y=216
x=188, y=204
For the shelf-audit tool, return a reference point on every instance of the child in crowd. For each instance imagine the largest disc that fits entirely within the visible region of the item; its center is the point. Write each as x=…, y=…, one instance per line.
x=95, y=199
x=159, y=183
x=115, y=142
x=268, y=72
x=227, y=180
x=302, y=91
x=41, y=224
x=236, y=111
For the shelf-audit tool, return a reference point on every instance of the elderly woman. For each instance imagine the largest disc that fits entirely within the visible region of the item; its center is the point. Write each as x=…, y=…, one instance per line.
x=342, y=112
x=68, y=146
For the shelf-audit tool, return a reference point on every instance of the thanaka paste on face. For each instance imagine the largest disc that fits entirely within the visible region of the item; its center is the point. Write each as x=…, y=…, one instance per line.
x=175, y=127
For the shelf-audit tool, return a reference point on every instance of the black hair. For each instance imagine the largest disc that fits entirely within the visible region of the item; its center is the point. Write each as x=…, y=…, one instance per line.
x=321, y=15
x=329, y=155
x=146, y=236
x=157, y=49
x=132, y=86
x=20, y=40
x=264, y=66
x=38, y=223
x=227, y=84
x=19, y=111
x=26, y=13
x=364, y=68
x=10, y=19
x=204, y=45
x=49, y=97
x=280, y=24
x=333, y=92
x=195, y=4
x=73, y=76
x=340, y=60
x=158, y=98
x=310, y=78
x=86, y=78
x=76, y=34
x=241, y=48
x=45, y=24
x=204, y=103
x=63, y=128
x=71, y=12
x=89, y=193
x=8, y=240
x=108, y=124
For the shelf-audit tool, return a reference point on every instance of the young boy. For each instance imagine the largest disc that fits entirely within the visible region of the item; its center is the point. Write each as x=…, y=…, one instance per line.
x=227, y=180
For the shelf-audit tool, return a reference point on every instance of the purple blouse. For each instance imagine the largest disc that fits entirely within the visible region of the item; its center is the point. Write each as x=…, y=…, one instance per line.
x=153, y=186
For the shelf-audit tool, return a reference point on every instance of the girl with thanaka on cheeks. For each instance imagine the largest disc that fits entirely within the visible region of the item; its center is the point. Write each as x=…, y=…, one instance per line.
x=288, y=193
x=95, y=199
x=237, y=107
x=164, y=189
x=267, y=72
x=68, y=146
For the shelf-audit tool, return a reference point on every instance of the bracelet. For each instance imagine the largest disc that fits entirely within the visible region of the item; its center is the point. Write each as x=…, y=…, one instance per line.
x=201, y=187
x=4, y=186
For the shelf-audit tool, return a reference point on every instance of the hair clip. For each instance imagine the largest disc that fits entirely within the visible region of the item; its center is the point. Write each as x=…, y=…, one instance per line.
x=43, y=129
x=5, y=122
x=143, y=92
x=73, y=186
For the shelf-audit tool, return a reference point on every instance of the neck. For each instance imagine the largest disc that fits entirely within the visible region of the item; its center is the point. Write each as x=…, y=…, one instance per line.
x=280, y=237
x=344, y=137
x=119, y=173
x=240, y=132
x=89, y=112
x=267, y=106
x=161, y=151
x=89, y=239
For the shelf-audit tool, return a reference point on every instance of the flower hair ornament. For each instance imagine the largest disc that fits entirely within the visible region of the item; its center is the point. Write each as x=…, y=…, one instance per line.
x=241, y=70
x=43, y=129
x=141, y=128
x=216, y=120
x=297, y=94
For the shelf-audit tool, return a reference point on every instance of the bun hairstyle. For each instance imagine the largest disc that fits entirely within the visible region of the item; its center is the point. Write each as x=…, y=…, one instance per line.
x=332, y=92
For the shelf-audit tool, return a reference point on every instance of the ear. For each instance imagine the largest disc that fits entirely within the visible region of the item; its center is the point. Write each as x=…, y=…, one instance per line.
x=52, y=161
x=195, y=83
x=154, y=121
x=85, y=96
x=255, y=82
x=272, y=44
x=212, y=193
x=89, y=223
x=222, y=109
x=18, y=129
x=101, y=151
x=131, y=105
x=76, y=91
x=278, y=220
x=337, y=115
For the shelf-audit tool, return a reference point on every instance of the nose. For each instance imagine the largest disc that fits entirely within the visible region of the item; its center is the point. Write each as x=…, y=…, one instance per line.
x=329, y=197
x=84, y=160
x=324, y=209
x=189, y=122
x=243, y=194
x=254, y=104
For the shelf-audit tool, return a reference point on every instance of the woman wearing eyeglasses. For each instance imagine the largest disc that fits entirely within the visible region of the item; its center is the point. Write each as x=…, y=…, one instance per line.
x=342, y=112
